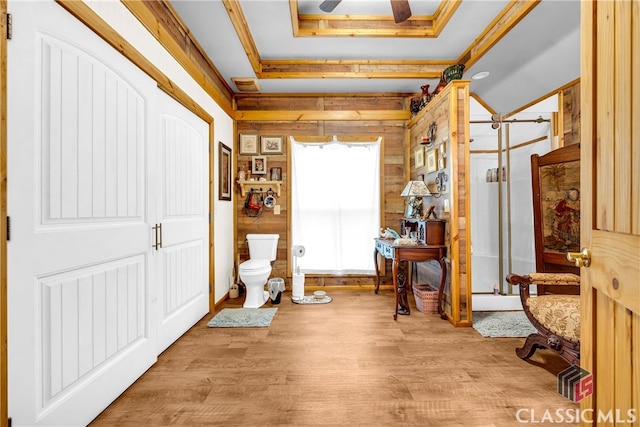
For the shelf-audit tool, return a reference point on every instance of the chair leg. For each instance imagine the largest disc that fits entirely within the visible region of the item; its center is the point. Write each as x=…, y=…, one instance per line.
x=533, y=342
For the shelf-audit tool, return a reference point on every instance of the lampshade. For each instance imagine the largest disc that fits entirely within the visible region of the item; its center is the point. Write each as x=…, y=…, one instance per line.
x=415, y=188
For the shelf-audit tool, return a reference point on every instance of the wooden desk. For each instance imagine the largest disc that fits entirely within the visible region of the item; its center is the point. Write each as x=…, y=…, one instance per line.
x=414, y=253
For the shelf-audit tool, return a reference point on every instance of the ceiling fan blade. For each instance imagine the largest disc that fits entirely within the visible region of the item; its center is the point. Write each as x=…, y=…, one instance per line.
x=401, y=10
x=329, y=5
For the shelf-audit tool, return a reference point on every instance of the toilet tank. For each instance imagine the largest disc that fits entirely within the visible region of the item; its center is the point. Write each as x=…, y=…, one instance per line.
x=263, y=246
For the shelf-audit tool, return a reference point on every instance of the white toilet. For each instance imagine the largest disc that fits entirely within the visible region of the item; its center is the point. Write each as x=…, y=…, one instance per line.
x=255, y=272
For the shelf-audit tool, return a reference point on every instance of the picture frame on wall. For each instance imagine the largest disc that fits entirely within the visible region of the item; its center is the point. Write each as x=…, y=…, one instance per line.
x=442, y=156
x=259, y=165
x=271, y=144
x=248, y=143
x=442, y=162
x=432, y=161
x=224, y=172
x=419, y=157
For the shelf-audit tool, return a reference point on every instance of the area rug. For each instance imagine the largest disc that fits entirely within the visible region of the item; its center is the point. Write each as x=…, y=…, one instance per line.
x=243, y=318
x=310, y=299
x=495, y=324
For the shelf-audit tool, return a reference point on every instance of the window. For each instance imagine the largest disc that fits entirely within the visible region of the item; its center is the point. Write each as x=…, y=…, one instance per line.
x=335, y=205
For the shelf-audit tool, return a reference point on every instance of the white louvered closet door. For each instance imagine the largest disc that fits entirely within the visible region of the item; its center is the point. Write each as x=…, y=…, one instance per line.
x=97, y=156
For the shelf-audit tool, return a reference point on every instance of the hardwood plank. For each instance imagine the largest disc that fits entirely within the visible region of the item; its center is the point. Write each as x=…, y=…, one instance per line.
x=342, y=363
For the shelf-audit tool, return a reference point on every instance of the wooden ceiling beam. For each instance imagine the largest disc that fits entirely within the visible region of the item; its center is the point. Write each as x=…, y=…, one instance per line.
x=382, y=69
x=239, y=22
x=321, y=115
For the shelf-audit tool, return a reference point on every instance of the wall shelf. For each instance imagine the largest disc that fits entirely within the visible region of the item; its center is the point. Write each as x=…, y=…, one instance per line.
x=259, y=186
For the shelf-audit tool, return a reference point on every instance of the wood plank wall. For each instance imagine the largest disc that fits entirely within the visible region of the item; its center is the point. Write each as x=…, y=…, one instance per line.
x=277, y=106
x=449, y=110
x=571, y=114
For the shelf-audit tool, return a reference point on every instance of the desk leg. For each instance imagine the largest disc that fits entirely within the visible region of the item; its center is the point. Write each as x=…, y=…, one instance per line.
x=443, y=281
x=400, y=288
x=375, y=262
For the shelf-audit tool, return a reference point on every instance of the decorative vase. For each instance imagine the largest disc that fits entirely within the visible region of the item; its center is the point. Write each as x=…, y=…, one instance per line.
x=453, y=72
x=426, y=96
x=441, y=85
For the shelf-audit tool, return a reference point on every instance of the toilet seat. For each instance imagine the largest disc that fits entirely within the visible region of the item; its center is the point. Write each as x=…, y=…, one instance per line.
x=255, y=265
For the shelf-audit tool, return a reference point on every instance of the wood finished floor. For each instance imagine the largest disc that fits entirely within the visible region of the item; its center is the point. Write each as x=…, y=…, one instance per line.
x=343, y=363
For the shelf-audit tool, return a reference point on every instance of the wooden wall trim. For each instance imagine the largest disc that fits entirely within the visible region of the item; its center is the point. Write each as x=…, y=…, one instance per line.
x=319, y=115
x=4, y=410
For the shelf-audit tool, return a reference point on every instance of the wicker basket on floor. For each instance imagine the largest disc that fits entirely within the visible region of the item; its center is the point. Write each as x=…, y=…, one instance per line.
x=426, y=298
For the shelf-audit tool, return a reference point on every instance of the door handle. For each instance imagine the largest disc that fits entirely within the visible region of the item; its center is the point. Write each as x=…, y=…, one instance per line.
x=157, y=236
x=580, y=259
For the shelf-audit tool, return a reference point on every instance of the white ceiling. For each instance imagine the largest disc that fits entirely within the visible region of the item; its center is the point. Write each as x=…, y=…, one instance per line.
x=540, y=54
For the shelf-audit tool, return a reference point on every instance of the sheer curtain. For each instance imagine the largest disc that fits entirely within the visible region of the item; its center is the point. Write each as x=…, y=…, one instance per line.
x=335, y=205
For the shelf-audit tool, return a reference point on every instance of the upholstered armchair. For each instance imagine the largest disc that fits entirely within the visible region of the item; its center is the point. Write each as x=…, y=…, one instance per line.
x=556, y=317
x=554, y=310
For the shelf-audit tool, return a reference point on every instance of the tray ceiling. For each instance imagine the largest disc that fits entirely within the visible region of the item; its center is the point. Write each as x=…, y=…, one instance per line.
x=530, y=48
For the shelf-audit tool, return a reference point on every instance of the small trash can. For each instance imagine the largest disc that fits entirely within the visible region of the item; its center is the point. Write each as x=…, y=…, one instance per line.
x=276, y=287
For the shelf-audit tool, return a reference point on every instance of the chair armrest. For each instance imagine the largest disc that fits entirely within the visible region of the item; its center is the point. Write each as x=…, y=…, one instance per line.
x=568, y=279
x=555, y=279
x=524, y=282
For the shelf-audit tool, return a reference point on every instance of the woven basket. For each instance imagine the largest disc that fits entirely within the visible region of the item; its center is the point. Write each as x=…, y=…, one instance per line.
x=426, y=298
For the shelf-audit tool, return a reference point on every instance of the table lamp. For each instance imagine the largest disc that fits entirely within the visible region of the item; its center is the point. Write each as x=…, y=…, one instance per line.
x=414, y=190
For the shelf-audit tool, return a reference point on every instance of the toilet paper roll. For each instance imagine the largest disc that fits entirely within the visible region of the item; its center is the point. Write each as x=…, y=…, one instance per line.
x=297, y=289
x=297, y=250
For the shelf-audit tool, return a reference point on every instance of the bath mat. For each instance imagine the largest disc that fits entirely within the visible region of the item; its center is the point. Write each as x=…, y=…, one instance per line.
x=243, y=318
x=494, y=324
x=310, y=299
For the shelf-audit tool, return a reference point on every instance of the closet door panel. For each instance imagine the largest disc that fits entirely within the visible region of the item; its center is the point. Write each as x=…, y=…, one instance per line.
x=183, y=200
x=80, y=330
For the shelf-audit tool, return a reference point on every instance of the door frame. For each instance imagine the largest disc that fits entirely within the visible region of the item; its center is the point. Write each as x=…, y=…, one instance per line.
x=4, y=410
x=85, y=15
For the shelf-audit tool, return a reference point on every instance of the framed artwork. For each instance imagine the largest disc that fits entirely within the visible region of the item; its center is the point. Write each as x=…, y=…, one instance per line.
x=442, y=156
x=248, y=143
x=419, y=157
x=432, y=161
x=276, y=174
x=259, y=165
x=271, y=144
x=224, y=172
x=442, y=162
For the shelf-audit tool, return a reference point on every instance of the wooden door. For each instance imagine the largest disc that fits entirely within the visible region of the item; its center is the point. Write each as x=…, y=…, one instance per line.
x=79, y=312
x=610, y=223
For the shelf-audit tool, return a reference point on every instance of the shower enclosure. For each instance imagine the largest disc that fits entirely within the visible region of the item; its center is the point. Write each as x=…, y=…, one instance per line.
x=501, y=201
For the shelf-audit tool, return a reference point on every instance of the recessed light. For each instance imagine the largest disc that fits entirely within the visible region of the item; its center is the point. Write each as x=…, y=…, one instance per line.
x=480, y=75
